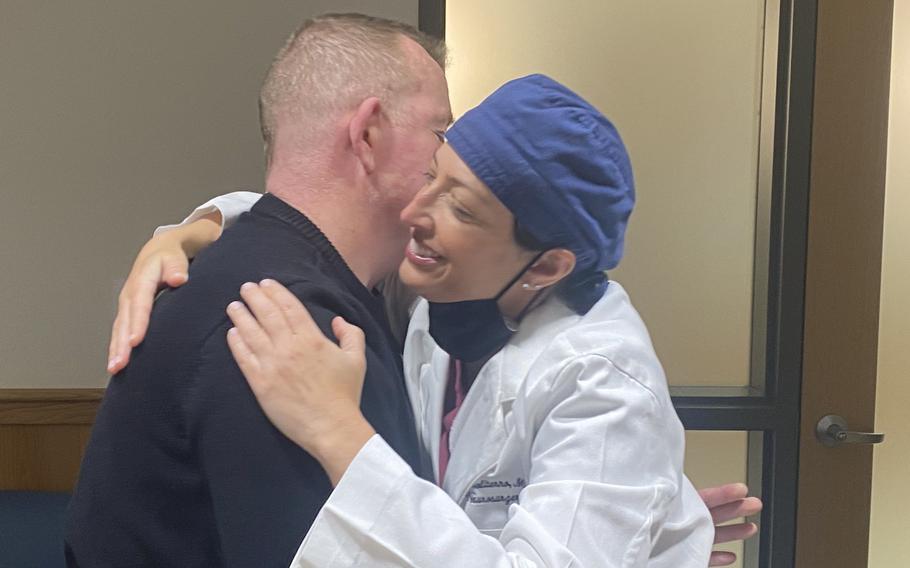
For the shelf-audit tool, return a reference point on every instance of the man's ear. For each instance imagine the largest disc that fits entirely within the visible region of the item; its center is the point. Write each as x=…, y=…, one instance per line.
x=363, y=131
x=553, y=266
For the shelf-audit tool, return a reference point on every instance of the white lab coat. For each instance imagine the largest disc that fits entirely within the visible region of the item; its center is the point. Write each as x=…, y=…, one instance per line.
x=566, y=452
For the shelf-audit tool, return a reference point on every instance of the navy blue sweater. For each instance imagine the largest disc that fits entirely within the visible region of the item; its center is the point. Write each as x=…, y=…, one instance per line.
x=183, y=468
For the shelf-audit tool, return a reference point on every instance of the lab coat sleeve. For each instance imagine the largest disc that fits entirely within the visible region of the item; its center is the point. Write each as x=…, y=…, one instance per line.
x=231, y=206
x=604, y=470
x=606, y=475
x=382, y=515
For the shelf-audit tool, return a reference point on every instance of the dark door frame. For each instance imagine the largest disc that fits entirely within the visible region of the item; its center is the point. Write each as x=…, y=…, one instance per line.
x=431, y=17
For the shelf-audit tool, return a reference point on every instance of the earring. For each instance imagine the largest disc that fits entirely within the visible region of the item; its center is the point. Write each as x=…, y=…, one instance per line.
x=527, y=286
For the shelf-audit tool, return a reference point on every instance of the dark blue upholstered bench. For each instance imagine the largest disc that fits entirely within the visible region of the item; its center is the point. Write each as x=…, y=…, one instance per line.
x=31, y=529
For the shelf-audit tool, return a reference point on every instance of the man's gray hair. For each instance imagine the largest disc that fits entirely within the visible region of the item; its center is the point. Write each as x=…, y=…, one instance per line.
x=334, y=61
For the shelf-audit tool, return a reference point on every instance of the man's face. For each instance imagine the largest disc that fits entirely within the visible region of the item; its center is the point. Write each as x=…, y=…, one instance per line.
x=425, y=115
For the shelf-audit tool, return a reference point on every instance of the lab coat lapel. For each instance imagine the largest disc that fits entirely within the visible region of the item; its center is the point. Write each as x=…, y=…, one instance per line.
x=479, y=433
x=477, y=436
x=433, y=385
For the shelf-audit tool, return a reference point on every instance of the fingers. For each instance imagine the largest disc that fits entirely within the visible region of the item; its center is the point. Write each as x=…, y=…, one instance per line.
x=174, y=271
x=112, y=347
x=736, y=509
x=350, y=337
x=246, y=359
x=715, y=496
x=141, y=296
x=722, y=559
x=267, y=311
x=278, y=300
x=119, y=337
x=161, y=261
x=730, y=533
x=296, y=314
x=253, y=335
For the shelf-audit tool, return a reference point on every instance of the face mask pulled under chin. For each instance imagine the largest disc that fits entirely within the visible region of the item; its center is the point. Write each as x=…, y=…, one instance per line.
x=472, y=329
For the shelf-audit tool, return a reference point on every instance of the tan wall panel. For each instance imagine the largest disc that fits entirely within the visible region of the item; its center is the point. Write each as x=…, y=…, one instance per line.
x=682, y=82
x=891, y=468
x=117, y=117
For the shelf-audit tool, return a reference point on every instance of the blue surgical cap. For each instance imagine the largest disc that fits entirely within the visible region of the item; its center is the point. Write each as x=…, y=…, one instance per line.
x=556, y=163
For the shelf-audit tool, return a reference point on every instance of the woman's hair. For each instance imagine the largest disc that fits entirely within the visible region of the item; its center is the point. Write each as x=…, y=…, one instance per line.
x=580, y=290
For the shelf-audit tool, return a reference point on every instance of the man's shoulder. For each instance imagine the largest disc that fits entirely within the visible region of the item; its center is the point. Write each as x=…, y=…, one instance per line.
x=198, y=307
x=190, y=314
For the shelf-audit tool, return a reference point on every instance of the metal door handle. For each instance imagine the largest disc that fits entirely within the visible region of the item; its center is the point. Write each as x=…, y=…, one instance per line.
x=832, y=430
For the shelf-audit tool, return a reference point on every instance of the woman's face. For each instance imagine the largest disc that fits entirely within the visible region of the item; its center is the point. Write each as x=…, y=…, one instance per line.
x=462, y=245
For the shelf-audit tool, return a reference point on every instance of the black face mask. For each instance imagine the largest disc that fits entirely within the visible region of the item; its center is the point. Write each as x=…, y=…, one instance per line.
x=470, y=329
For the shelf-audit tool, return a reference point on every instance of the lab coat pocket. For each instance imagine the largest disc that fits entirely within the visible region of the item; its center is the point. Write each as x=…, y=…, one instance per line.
x=494, y=533
x=489, y=518
x=489, y=499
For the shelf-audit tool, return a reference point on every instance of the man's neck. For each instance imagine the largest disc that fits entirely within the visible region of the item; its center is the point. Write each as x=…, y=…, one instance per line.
x=346, y=223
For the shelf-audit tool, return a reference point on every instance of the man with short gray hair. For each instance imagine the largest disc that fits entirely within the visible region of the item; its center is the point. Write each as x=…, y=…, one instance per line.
x=183, y=468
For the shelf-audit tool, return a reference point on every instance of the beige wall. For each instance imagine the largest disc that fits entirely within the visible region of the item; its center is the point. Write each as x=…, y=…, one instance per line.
x=891, y=470
x=682, y=82
x=115, y=117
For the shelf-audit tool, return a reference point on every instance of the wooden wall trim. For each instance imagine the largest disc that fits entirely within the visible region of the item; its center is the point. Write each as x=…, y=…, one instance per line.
x=49, y=406
x=43, y=433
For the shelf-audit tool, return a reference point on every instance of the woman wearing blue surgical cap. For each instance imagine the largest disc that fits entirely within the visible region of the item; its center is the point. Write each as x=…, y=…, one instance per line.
x=538, y=395
x=540, y=402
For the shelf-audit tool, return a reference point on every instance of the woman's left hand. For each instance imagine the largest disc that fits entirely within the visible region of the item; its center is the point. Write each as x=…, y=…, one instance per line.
x=308, y=386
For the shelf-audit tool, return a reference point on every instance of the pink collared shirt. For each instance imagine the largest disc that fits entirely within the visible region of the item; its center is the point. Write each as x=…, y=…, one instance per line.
x=455, y=393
